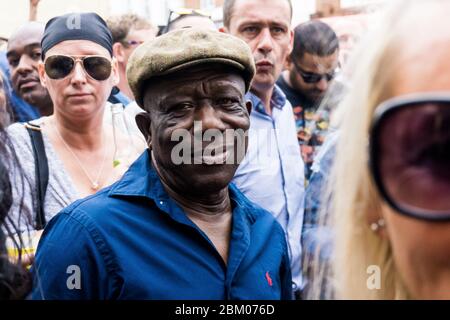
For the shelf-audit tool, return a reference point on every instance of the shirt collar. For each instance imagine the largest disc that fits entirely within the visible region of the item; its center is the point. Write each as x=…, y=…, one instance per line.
x=278, y=100
x=141, y=180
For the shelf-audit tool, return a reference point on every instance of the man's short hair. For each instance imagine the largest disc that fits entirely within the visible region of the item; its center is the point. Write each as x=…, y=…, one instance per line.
x=228, y=11
x=315, y=38
x=121, y=25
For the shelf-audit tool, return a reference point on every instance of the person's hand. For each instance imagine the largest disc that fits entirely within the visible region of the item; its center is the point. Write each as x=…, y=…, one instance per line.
x=33, y=10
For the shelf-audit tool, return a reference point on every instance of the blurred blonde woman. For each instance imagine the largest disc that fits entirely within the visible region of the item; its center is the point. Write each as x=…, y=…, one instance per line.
x=391, y=180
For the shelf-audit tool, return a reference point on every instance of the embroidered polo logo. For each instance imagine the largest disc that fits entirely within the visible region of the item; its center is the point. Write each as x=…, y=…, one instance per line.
x=269, y=279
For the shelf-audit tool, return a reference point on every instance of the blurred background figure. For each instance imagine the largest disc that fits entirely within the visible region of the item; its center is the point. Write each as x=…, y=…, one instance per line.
x=188, y=18
x=15, y=281
x=349, y=30
x=391, y=218
x=128, y=32
x=23, y=55
x=310, y=69
x=33, y=10
x=4, y=109
x=20, y=110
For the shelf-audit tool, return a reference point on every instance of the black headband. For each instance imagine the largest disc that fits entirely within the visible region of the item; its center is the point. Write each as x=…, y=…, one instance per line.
x=76, y=26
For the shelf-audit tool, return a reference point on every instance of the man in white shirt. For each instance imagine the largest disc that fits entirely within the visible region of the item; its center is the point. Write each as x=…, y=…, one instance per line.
x=272, y=173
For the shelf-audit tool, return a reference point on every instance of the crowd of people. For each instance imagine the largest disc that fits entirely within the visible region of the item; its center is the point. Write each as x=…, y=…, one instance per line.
x=241, y=161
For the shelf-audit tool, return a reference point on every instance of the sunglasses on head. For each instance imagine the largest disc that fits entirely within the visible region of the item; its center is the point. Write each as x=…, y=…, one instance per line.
x=60, y=66
x=311, y=77
x=410, y=155
x=175, y=14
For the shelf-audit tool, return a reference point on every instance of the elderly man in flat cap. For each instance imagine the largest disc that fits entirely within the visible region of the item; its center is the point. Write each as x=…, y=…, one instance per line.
x=174, y=227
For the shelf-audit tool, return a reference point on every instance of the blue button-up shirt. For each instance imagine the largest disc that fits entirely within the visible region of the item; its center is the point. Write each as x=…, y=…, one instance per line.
x=132, y=241
x=272, y=173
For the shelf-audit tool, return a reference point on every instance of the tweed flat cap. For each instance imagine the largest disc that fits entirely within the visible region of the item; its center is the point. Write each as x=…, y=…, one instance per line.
x=180, y=49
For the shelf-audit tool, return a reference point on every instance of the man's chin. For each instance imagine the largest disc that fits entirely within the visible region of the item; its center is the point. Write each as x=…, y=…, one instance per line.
x=316, y=98
x=31, y=97
x=262, y=82
x=206, y=186
x=210, y=178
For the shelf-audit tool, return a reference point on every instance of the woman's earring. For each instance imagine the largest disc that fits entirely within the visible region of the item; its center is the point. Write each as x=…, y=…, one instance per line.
x=378, y=225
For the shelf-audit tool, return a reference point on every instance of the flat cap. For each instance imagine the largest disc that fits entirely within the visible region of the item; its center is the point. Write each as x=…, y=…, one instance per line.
x=180, y=49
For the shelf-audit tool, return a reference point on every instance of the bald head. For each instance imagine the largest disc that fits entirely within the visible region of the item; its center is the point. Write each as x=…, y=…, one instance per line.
x=33, y=30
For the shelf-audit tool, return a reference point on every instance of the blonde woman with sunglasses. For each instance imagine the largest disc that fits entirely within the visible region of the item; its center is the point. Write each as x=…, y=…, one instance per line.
x=391, y=181
x=79, y=73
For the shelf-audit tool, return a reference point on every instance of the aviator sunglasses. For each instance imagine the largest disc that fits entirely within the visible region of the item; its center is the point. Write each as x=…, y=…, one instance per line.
x=60, y=66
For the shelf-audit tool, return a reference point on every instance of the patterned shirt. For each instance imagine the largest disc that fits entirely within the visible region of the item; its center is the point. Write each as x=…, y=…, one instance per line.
x=311, y=123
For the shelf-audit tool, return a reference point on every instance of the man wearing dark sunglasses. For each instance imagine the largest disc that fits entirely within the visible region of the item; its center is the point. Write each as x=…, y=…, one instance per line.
x=311, y=67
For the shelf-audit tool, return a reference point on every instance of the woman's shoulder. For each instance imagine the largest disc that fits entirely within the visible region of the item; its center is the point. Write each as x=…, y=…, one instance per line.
x=18, y=130
x=19, y=136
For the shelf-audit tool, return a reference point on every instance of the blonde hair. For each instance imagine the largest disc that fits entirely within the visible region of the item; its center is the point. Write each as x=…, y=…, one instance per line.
x=354, y=197
x=121, y=25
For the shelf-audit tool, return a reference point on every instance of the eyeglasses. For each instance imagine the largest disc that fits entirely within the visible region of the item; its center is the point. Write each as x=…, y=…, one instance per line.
x=410, y=155
x=175, y=14
x=132, y=43
x=60, y=66
x=310, y=77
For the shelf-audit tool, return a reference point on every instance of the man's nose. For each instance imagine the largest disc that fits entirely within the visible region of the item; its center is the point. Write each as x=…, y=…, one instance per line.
x=25, y=64
x=265, y=43
x=323, y=84
x=210, y=118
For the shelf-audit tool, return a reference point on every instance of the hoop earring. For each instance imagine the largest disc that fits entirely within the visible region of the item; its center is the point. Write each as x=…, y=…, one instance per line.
x=377, y=225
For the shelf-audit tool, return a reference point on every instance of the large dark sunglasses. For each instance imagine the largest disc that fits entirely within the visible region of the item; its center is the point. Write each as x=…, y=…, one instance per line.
x=410, y=155
x=310, y=77
x=60, y=66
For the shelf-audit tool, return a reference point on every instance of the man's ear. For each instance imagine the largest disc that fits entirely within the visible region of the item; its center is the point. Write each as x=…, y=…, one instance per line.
x=118, y=52
x=249, y=106
x=115, y=72
x=143, y=122
x=291, y=40
x=288, y=63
